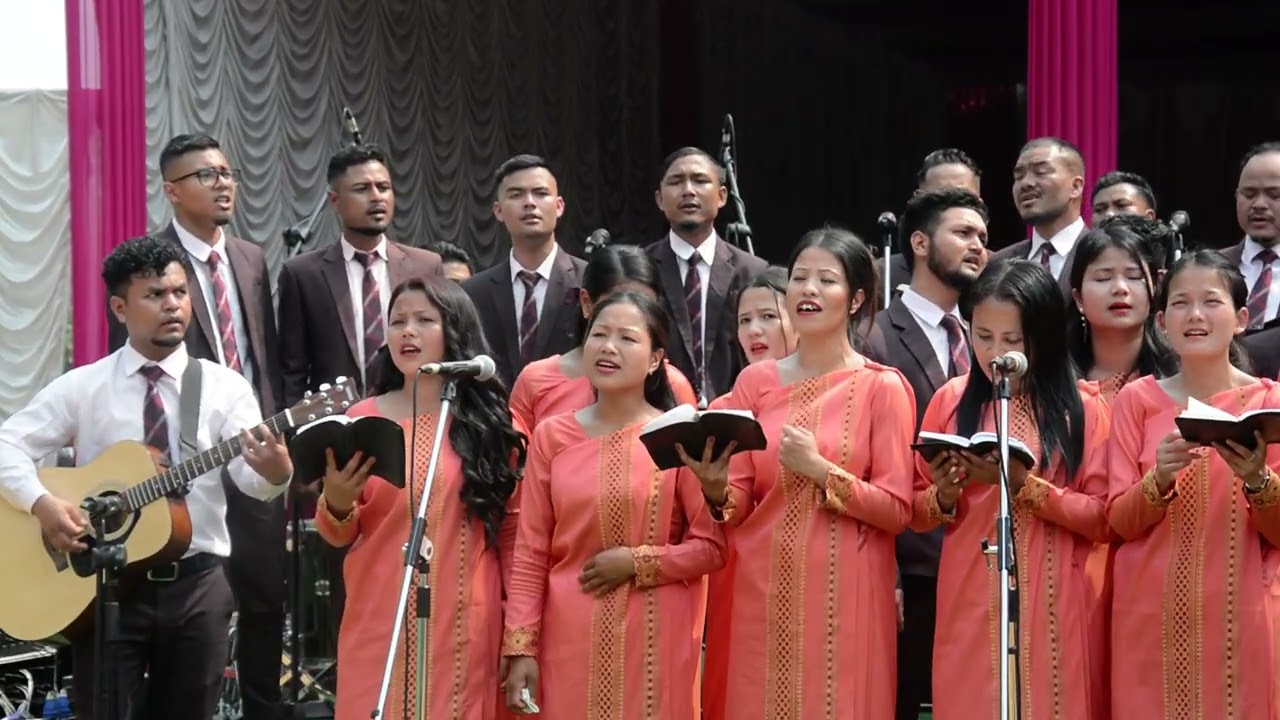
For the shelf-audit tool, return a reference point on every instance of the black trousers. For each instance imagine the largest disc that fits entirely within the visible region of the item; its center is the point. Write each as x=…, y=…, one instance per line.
x=176, y=633
x=915, y=644
x=257, y=574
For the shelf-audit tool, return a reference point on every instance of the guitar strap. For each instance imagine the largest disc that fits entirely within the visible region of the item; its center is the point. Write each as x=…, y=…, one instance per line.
x=189, y=413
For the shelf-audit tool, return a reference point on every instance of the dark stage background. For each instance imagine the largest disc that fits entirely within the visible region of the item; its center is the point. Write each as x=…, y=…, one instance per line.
x=835, y=103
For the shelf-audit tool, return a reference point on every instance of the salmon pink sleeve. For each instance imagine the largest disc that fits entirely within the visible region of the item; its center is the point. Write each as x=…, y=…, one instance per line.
x=521, y=402
x=699, y=552
x=530, y=562
x=882, y=499
x=742, y=470
x=1082, y=507
x=1134, y=502
x=939, y=417
x=1264, y=505
x=341, y=533
x=681, y=388
x=511, y=522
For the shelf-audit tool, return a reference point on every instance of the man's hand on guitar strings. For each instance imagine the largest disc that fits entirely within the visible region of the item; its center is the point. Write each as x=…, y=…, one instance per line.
x=62, y=521
x=266, y=454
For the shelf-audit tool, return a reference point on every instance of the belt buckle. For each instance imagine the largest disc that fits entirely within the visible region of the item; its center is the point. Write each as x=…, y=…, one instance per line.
x=164, y=573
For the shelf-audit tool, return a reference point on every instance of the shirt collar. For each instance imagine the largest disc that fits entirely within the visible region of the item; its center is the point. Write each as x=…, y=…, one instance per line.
x=349, y=251
x=684, y=251
x=543, y=270
x=198, y=248
x=924, y=308
x=1062, y=241
x=173, y=365
x=1251, y=249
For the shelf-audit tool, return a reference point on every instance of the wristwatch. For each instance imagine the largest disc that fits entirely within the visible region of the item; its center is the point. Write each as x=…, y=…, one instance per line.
x=1252, y=489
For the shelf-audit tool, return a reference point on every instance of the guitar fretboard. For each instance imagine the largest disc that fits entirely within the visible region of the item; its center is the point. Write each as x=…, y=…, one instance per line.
x=149, y=491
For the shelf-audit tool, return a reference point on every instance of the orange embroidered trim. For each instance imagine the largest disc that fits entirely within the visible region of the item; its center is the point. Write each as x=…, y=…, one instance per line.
x=1151, y=491
x=606, y=678
x=1268, y=495
x=323, y=507
x=1231, y=659
x=648, y=570
x=520, y=641
x=1034, y=492
x=837, y=489
x=934, y=511
x=651, y=663
x=1182, y=619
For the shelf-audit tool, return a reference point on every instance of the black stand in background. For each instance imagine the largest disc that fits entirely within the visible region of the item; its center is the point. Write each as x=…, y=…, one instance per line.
x=1009, y=686
x=739, y=232
x=888, y=224
x=297, y=236
x=107, y=560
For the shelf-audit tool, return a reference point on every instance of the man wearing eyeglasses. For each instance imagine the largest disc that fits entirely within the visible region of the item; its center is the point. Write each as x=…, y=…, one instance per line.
x=233, y=324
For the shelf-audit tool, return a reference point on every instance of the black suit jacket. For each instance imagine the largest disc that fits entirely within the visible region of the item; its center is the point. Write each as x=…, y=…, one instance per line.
x=901, y=343
x=253, y=284
x=317, y=322
x=731, y=271
x=1264, y=352
x=1235, y=254
x=1019, y=251
x=491, y=292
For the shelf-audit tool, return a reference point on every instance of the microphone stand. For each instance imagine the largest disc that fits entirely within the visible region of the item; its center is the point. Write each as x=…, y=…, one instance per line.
x=1007, y=561
x=418, y=550
x=107, y=560
x=297, y=236
x=888, y=268
x=739, y=233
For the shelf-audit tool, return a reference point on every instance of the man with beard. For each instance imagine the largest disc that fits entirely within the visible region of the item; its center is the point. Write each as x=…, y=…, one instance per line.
x=701, y=275
x=528, y=303
x=333, y=302
x=234, y=325
x=1258, y=213
x=943, y=237
x=1048, y=189
x=1123, y=193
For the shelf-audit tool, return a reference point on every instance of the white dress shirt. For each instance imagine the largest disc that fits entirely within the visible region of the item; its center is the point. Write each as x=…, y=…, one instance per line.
x=539, y=289
x=1251, y=268
x=707, y=252
x=929, y=317
x=1063, y=241
x=199, y=251
x=355, y=282
x=95, y=406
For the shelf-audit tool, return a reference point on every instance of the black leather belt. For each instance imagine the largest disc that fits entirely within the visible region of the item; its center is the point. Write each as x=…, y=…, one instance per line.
x=186, y=567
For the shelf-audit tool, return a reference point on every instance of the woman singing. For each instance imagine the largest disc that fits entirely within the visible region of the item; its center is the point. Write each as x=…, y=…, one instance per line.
x=559, y=384
x=814, y=626
x=1057, y=504
x=605, y=594
x=429, y=320
x=1193, y=615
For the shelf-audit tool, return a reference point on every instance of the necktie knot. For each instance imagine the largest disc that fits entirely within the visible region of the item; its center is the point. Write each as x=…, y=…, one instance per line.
x=694, y=259
x=214, y=260
x=1047, y=251
x=1266, y=257
x=952, y=325
x=529, y=278
x=152, y=373
x=365, y=259
x=957, y=346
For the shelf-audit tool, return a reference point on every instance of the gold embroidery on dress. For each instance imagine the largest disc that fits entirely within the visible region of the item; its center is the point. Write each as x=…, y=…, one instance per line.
x=838, y=488
x=1022, y=425
x=520, y=641
x=1181, y=627
x=648, y=569
x=784, y=602
x=654, y=505
x=1231, y=663
x=607, y=672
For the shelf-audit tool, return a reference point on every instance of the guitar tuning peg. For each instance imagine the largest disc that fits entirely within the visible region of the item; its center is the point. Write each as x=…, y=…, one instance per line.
x=307, y=394
x=341, y=380
x=324, y=387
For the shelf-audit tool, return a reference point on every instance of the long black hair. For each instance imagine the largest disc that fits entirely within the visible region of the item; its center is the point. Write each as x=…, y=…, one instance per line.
x=480, y=432
x=1050, y=382
x=1155, y=357
x=657, y=387
x=1231, y=278
x=859, y=272
x=614, y=265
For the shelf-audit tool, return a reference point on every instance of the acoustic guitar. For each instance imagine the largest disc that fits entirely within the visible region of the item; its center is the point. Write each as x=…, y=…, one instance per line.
x=50, y=594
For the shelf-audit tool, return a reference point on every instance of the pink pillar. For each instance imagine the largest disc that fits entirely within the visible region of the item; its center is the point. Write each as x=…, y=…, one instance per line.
x=106, y=121
x=1072, y=78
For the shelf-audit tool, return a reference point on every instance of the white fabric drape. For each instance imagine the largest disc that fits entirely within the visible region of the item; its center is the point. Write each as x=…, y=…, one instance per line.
x=35, y=243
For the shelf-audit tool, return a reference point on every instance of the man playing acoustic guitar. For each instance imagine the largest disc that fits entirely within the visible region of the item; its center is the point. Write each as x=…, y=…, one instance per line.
x=173, y=622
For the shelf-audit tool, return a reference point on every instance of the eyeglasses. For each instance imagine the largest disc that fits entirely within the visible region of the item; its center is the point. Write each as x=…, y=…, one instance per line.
x=208, y=177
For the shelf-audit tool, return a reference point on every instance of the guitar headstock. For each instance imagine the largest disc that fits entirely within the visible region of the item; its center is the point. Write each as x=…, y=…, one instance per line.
x=328, y=400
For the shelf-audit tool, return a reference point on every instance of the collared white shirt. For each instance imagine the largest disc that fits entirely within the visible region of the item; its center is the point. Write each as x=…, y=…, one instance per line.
x=539, y=290
x=929, y=317
x=199, y=251
x=355, y=283
x=707, y=252
x=1063, y=241
x=1251, y=268
x=95, y=406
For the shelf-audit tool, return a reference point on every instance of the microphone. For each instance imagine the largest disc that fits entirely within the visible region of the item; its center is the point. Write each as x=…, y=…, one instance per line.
x=1180, y=221
x=480, y=368
x=888, y=222
x=1012, y=364
x=597, y=239
x=349, y=124
x=726, y=140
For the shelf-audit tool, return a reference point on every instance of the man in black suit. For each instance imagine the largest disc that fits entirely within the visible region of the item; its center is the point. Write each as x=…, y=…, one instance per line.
x=528, y=303
x=1122, y=193
x=333, y=301
x=1048, y=190
x=943, y=168
x=701, y=275
x=233, y=324
x=943, y=239
x=1258, y=213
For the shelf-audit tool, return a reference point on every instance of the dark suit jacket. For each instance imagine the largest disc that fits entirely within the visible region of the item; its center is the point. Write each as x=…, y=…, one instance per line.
x=898, y=275
x=1235, y=254
x=491, y=291
x=731, y=271
x=904, y=345
x=1264, y=352
x=254, y=286
x=1019, y=251
x=317, y=322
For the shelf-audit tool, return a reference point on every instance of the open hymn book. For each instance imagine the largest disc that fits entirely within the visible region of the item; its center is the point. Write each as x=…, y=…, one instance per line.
x=931, y=443
x=1205, y=424
x=379, y=437
x=690, y=428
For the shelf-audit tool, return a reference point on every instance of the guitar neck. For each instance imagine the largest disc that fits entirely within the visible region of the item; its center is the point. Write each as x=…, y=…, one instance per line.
x=149, y=491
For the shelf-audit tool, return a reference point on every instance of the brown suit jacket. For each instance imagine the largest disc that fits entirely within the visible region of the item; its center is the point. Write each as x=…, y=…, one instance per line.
x=317, y=322
x=253, y=283
x=1019, y=251
x=491, y=291
x=731, y=271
